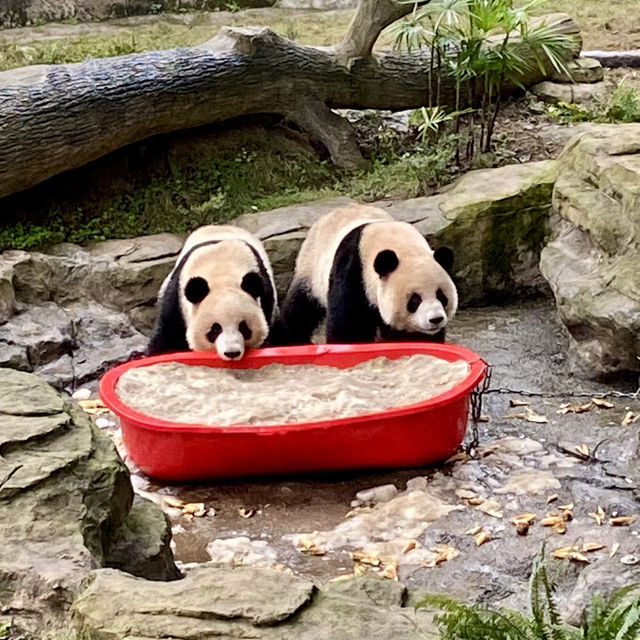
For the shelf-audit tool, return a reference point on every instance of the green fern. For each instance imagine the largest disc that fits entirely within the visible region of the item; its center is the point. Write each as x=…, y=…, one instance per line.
x=617, y=618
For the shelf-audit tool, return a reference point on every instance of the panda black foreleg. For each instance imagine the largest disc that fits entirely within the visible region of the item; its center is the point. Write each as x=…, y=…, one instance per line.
x=302, y=314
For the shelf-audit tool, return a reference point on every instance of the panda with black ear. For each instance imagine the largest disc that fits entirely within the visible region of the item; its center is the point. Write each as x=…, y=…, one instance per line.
x=371, y=278
x=220, y=295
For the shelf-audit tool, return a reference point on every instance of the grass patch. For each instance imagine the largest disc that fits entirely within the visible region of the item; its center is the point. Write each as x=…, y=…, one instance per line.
x=622, y=105
x=314, y=28
x=249, y=174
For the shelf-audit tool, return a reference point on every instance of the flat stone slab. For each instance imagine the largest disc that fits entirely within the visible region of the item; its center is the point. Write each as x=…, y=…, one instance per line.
x=244, y=602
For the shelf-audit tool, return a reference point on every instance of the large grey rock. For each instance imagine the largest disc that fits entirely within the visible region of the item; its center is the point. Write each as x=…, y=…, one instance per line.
x=244, y=602
x=73, y=312
x=64, y=494
x=585, y=70
x=495, y=220
x=584, y=93
x=592, y=261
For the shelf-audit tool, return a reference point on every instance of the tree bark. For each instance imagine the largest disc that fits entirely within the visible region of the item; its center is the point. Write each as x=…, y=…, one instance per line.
x=60, y=117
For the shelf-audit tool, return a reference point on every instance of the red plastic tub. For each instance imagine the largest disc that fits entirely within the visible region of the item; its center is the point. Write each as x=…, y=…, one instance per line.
x=412, y=435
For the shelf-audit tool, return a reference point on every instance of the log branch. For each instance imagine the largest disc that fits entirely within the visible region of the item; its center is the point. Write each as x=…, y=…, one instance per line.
x=60, y=117
x=369, y=19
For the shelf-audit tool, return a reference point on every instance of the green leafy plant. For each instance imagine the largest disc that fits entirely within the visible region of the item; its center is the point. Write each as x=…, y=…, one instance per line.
x=484, y=45
x=616, y=618
x=621, y=105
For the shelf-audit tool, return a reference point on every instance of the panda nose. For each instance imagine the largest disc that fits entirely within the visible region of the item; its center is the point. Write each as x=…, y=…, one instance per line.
x=436, y=319
x=232, y=355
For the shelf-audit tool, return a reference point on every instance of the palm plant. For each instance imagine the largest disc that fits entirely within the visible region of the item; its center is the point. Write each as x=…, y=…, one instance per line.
x=617, y=618
x=483, y=44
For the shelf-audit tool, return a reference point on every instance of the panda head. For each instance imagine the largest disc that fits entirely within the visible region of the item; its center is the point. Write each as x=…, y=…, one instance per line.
x=414, y=290
x=229, y=320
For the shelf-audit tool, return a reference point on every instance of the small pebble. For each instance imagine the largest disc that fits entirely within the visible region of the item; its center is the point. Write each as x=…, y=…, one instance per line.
x=81, y=394
x=103, y=423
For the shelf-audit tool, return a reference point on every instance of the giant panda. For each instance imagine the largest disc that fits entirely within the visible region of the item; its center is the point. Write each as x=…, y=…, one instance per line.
x=371, y=278
x=219, y=296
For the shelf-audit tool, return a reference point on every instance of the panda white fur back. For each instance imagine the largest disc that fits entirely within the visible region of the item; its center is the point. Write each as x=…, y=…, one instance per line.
x=371, y=277
x=220, y=295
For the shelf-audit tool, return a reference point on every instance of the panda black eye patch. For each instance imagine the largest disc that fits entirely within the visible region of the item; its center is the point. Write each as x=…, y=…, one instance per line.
x=214, y=332
x=196, y=290
x=414, y=303
x=244, y=330
x=444, y=301
x=252, y=283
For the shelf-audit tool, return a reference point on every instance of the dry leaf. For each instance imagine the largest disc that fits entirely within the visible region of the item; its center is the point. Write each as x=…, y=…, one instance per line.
x=602, y=404
x=573, y=408
x=524, y=518
x=614, y=549
x=246, y=513
x=409, y=546
x=562, y=552
x=491, y=508
x=583, y=450
x=194, y=508
x=482, y=537
x=552, y=498
x=518, y=403
x=461, y=456
x=342, y=578
x=622, y=521
x=92, y=404
x=629, y=418
x=365, y=558
x=444, y=553
x=532, y=416
x=390, y=571
x=172, y=501
x=593, y=546
x=308, y=545
x=560, y=527
x=570, y=553
x=576, y=556
x=465, y=494
x=598, y=515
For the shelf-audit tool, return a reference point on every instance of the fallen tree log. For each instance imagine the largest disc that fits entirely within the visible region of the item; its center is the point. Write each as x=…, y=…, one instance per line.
x=58, y=117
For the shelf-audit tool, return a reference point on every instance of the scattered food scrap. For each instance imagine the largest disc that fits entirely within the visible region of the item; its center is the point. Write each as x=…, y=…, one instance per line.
x=598, y=515
x=629, y=418
x=601, y=403
x=622, y=521
x=246, y=513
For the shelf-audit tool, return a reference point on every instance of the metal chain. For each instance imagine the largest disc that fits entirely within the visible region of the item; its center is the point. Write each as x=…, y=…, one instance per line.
x=483, y=388
x=476, y=410
x=568, y=394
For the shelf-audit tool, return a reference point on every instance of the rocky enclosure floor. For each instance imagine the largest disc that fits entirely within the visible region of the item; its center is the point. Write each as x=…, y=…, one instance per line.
x=564, y=464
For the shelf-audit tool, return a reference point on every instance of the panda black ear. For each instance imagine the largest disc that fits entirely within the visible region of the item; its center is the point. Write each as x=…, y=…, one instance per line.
x=196, y=290
x=386, y=262
x=444, y=257
x=252, y=284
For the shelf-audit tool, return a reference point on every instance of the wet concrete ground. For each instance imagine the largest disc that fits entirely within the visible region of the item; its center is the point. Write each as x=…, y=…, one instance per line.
x=428, y=534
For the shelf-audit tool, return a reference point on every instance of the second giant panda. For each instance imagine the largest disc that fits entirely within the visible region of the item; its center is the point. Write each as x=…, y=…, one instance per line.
x=220, y=295
x=371, y=278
